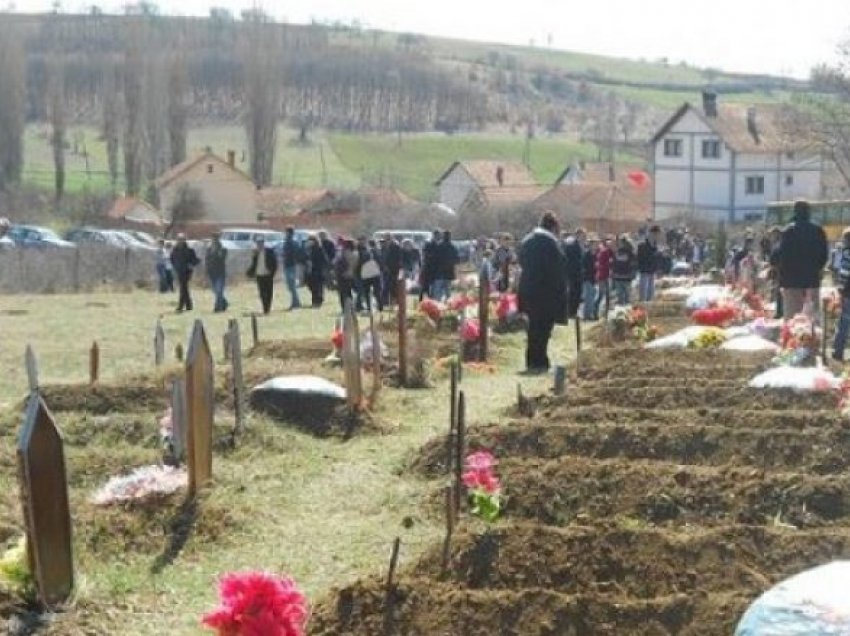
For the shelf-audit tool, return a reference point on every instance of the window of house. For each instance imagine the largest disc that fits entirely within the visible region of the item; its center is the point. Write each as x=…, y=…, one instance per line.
x=754, y=185
x=710, y=149
x=789, y=179
x=209, y=168
x=672, y=147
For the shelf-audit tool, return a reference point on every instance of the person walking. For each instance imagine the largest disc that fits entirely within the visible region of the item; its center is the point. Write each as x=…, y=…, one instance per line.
x=316, y=269
x=604, y=261
x=428, y=273
x=164, y=270
x=842, y=275
x=216, y=266
x=184, y=260
x=623, y=269
x=392, y=257
x=803, y=253
x=447, y=258
x=588, y=275
x=503, y=258
x=647, y=264
x=411, y=259
x=543, y=290
x=345, y=271
x=292, y=255
x=262, y=269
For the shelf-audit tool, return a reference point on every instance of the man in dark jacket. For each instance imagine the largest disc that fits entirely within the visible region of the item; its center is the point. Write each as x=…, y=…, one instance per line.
x=292, y=255
x=447, y=260
x=215, y=261
x=428, y=273
x=184, y=260
x=647, y=263
x=803, y=253
x=263, y=267
x=573, y=257
x=542, y=290
x=392, y=257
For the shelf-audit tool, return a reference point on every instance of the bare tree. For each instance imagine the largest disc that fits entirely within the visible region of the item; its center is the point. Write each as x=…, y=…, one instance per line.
x=111, y=122
x=188, y=205
x=826, y=113
x=134, y=125
x=261, y=77
x=178, y=82
x=12, y=105
x=58, y=124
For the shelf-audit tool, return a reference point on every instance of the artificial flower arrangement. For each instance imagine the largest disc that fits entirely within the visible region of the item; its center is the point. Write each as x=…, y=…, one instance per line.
x=258, y=604
x=710, y=338
x=634, y=321
x=832, y=304
x=799, y=341
x=718, y=315
x=483, y=485
x=15, y=574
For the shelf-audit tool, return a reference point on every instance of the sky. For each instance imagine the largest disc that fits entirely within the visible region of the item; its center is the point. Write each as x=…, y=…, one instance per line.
x=785, y=37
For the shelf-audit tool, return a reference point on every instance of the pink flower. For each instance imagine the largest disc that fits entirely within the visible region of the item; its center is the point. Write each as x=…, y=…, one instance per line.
x=481, y=460
x=822, y=383
x=258, y=604
x=481, y=480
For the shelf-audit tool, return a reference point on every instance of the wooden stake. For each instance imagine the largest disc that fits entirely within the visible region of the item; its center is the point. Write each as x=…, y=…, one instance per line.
x=94, y=363
x=560, y=379
x=483, y=313
x=450, y=441
x=389, y=592
x=578, y=336
x=450, y=518
x=255, y=329
x=158, y=344
x=460, y=450
x=401, y=297
x=178, y=352
x=31, y=363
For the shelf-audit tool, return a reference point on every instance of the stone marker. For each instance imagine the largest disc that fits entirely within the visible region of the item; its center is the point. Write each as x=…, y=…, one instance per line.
x=178, y=419
x=32, y=368
x=158, y=344
x=199, y=409
x=44, y=498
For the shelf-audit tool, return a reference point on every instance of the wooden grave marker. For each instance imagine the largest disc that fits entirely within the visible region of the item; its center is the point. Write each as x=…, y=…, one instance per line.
x=94, y=363
x=450, y=441
x=255, y=329
x=200, y=406
x=178, y=419
x=401, y=298
x=351, y=358
x=235, y=340
x=44, y=498
x=158, y=344
x=376, y=359
x=483, y=313
x=460, y=449
x=31, y=363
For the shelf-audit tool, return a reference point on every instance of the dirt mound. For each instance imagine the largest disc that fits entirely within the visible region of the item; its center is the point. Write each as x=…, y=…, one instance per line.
x=776, y=448
x=131, y=396
x=570, y=489
x=630, y=362
x=304, y=349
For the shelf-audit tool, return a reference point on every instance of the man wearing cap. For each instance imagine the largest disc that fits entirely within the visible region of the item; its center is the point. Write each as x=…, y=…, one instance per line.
x=5, y=241
x=803, y=253
x=184, y=260
x=262, y=269
x=216, y=265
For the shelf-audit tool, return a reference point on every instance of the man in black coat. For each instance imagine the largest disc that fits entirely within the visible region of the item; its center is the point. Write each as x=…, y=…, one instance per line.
x=802, y=255
x=647, y=264
x=263, y=270
x=428, y=273
x=392, y=257
x=542, y=290
x=184, y=260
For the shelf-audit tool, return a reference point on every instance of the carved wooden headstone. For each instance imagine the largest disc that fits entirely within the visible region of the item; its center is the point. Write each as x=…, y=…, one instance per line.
x=199, y=409
x=159, y=344
x=351, y=357
x=401, y=297
x=255, y=329
x=178, y=419
x=44, y=498
x=32, y=368
x=94, y=363
x=376, y=359
x=235, y=340
x=483, y=313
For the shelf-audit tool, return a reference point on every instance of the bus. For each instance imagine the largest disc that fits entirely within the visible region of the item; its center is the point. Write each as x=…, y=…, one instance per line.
x=832, y=216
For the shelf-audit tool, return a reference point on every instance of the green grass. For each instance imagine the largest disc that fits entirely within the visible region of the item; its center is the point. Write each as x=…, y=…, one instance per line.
x=324, y=511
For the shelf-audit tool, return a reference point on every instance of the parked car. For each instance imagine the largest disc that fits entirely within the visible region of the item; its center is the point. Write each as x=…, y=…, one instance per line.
x=36, y=236
x=128, y=240
x=91, y=235
x=246, y=238
x=143, y=237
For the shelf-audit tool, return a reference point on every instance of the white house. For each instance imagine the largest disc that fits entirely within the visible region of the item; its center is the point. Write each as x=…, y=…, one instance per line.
x=727, y=162
x=476, y=184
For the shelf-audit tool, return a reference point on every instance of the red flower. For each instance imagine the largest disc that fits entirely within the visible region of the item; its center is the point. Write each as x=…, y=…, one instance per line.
x=337, y=339
x=481, y=460
x=258, y=604
x=470, y=330
x=431, y=308
x=481, y=480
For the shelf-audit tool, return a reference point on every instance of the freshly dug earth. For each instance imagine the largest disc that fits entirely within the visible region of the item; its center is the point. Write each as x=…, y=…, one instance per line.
x=659, y=497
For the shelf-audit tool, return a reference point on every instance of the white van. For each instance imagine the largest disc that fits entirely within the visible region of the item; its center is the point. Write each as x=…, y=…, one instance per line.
x=419, y=237
x=246, y=239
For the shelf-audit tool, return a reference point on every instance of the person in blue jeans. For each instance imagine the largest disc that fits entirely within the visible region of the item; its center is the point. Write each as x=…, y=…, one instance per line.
x=291, y=256
x=843, y=329
x=216, y=266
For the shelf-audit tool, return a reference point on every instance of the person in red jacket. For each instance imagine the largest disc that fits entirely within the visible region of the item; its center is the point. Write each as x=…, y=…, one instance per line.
x=604, y=258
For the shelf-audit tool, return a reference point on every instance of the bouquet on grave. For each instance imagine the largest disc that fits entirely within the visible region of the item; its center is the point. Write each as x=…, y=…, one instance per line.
x=258, y=603
x=710, y=338
x=483, y=485
x=799, y=341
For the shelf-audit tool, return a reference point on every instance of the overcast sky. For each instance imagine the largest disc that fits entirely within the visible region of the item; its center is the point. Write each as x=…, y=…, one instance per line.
x=778, y=36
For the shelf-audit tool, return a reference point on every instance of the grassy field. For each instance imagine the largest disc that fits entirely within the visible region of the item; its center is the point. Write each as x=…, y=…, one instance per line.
x=323, y=510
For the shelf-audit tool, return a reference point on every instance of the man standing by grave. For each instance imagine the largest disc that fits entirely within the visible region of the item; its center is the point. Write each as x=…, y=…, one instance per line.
x=573, y=247
x=428, y=273
x=291, y=257
x=447, y=259
x=184, y=260
x=542, y=290
x=392, y=257
x=263, y=267
x=216, y=264
x=803, y=253
x=647, y=262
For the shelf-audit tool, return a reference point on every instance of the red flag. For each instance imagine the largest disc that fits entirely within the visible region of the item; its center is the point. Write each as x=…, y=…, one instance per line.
x=639, y=179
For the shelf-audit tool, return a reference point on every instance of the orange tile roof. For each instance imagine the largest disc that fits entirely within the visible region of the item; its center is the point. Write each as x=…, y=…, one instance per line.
x=596, y=200
x=285, y=201
x=176, y=171
x=484, y=172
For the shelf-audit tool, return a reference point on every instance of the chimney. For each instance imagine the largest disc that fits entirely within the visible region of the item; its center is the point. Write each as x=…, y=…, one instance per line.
x=231, y=158
x=500, y=176
x=709, y=103
x=751, y=122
